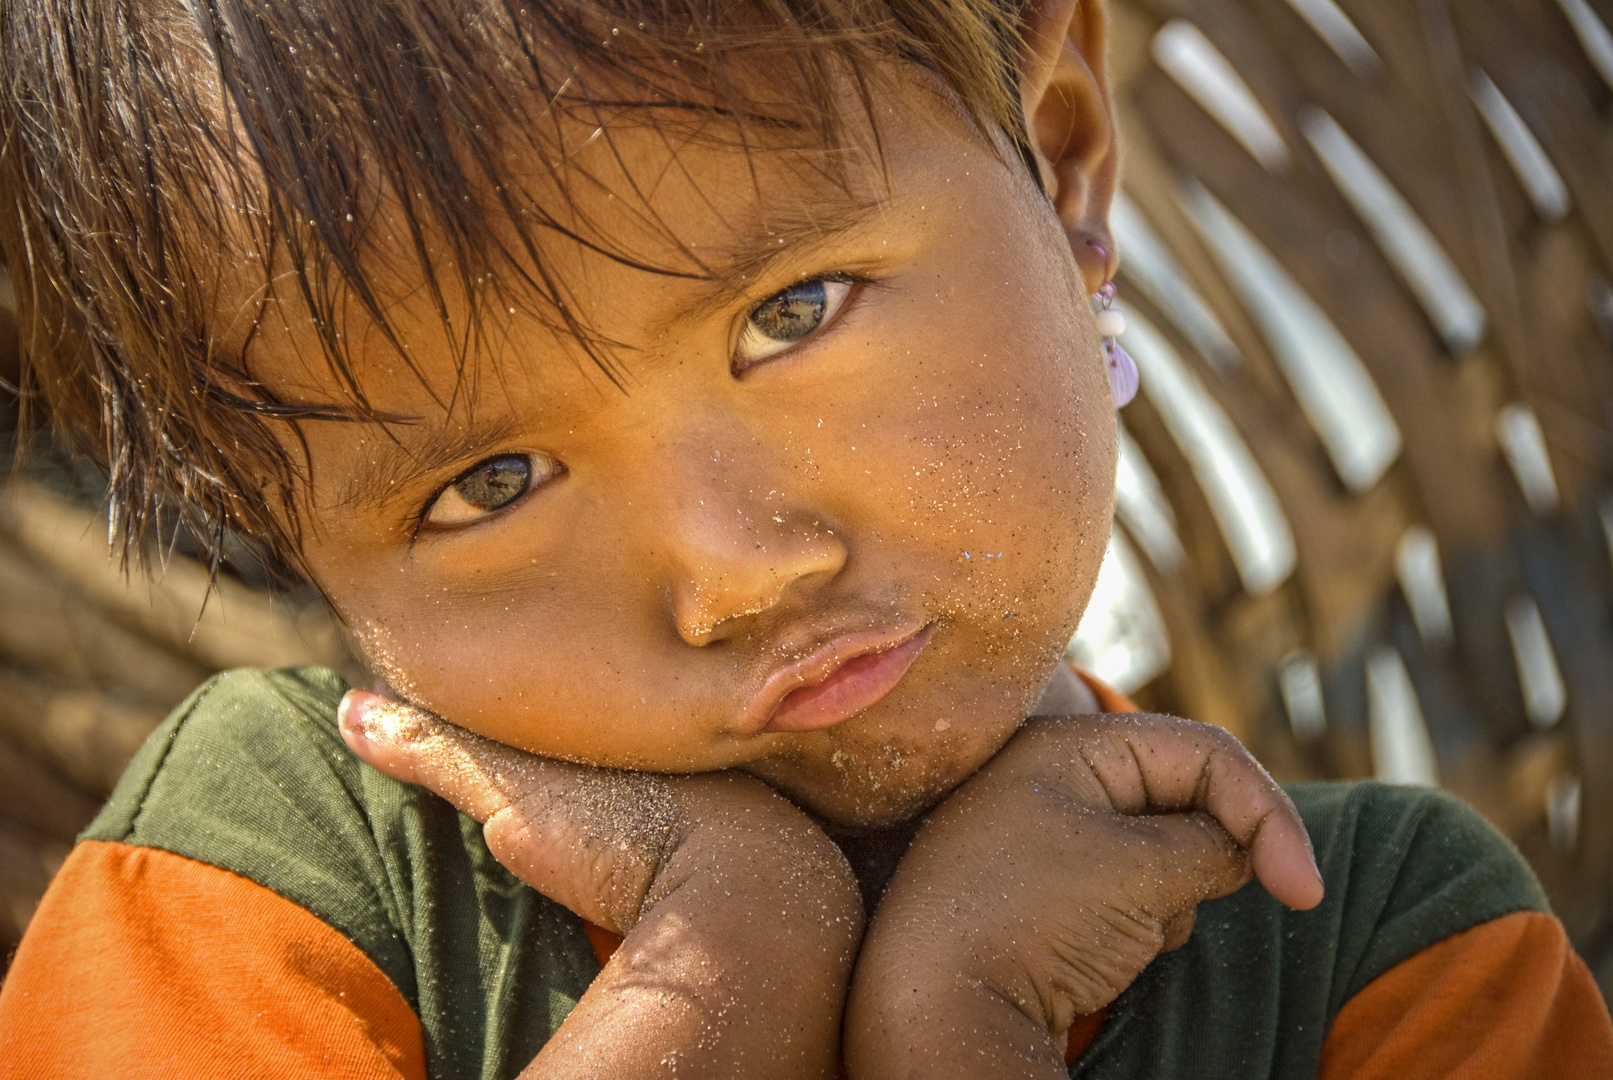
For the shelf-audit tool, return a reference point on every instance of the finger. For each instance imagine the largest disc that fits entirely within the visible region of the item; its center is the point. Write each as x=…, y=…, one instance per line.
x=1261, y=817
x=590, y=839
x=1178, y=928
x=477, y=775
x=1180, y=764
x=1175, y=861
x=1284, y=861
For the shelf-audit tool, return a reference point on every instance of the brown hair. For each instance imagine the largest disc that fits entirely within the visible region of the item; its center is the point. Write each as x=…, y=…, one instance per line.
x=140, y=140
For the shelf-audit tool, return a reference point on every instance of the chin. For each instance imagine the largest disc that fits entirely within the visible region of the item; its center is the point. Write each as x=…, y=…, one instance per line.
x=894, y=763
x=870, y=796
x=874, y=813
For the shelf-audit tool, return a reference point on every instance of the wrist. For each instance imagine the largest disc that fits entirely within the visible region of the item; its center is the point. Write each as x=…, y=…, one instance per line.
x=738, y=961
x=750, y=876
x=912, y=1019
x=764, y=852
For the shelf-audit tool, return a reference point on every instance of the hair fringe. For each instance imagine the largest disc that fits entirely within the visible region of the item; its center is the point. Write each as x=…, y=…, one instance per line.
x=143, y=141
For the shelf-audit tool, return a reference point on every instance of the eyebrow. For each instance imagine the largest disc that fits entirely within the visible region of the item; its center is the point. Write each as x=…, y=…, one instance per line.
x=417, y=451
x=735, y=264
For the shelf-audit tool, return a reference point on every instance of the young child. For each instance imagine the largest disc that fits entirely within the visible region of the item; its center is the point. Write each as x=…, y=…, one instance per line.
x=699, y=406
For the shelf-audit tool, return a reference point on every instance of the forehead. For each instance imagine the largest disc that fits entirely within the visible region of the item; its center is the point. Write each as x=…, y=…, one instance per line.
x=626, y=229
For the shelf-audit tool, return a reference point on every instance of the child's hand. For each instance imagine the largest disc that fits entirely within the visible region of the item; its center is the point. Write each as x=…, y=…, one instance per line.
x=1042, y=887
x=741, y=917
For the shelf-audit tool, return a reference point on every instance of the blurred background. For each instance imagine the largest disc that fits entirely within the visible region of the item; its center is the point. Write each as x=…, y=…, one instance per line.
x=1365, y=501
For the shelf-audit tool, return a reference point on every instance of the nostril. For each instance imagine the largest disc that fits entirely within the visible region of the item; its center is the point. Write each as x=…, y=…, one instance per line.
x=720, y=587
x=706, y=609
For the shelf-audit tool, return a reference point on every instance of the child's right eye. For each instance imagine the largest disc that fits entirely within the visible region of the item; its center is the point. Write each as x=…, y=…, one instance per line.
x=490, y=486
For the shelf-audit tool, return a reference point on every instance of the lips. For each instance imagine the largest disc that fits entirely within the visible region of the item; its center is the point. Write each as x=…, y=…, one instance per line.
x=835, y=682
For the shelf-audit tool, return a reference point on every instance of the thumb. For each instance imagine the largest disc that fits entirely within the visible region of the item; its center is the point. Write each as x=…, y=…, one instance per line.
x=590, y=839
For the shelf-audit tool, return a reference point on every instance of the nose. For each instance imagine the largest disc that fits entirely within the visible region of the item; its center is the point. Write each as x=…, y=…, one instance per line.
x=738, y=548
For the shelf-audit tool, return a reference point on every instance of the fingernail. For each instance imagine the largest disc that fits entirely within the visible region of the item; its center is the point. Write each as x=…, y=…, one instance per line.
x=353, y=717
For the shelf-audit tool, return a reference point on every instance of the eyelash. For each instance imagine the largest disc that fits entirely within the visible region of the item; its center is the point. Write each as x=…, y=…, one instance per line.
x=835, y=307
x=540, y=468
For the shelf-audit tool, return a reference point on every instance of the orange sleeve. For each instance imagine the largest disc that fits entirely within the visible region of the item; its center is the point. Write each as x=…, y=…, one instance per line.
x=1109, y=699
x=1506, y=1000
x=141, y=963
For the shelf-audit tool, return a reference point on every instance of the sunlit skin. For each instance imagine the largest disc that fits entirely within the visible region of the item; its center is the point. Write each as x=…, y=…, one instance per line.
x=842, y=559
x=937, y=457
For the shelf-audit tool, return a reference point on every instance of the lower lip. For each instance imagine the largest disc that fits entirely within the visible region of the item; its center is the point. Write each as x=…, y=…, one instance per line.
x=856, y=685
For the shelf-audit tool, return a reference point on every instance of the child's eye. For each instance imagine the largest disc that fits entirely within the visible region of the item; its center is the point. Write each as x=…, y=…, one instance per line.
x=491, y=485
x=787, y=318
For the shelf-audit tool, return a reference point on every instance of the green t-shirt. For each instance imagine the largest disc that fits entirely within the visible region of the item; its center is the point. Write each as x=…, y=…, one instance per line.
x=250, y=775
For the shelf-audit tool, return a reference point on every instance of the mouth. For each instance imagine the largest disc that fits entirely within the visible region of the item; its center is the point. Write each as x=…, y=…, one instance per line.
x=835, y=682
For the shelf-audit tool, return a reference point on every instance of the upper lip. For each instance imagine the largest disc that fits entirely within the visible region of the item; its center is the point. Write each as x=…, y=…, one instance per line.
x=818, y=665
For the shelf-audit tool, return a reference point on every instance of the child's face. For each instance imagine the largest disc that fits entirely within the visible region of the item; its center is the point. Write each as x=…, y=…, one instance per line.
x=923, y=481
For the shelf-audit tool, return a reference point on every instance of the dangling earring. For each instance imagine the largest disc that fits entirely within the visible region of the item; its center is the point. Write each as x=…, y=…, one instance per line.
x=1122, y=368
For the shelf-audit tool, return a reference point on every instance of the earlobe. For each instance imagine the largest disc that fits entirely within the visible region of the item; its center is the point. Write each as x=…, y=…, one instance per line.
x=1064, y=91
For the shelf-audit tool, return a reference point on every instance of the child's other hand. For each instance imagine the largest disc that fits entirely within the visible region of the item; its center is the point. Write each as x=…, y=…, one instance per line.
x=1041, y=888
x=741, y=917
x=1147, y=764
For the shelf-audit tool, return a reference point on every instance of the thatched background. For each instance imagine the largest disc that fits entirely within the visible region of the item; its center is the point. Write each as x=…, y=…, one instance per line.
x=1314, y=630
x=1538, y=268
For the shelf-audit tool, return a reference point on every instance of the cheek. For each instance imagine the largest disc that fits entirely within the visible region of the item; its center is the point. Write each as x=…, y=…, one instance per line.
x=505, y=662
x=438, y=648
x=988, y=450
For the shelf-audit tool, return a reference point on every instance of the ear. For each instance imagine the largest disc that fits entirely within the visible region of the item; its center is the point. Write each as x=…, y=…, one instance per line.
x=1064, y=90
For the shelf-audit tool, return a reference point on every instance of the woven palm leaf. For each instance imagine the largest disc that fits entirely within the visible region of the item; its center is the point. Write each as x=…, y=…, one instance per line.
x=1369, y=491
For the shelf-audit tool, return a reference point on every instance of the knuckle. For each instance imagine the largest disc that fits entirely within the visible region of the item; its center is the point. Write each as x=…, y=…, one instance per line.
x=1217, y=741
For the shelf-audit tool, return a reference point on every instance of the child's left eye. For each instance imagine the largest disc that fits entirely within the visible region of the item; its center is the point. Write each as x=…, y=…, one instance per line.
x=787, y=318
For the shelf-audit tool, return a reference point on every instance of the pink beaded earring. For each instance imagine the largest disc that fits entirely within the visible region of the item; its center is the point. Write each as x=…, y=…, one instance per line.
x=1122, y=368
x=1111, y=324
